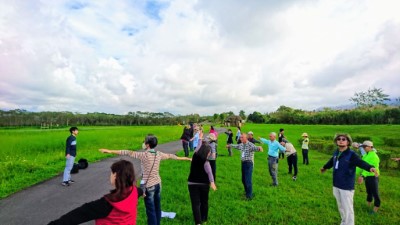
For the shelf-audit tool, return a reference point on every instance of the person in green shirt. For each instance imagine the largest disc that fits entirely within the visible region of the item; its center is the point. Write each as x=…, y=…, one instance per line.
x=371, y=181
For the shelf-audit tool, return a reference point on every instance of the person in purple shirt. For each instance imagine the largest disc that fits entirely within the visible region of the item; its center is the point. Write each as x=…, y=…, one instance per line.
x=199, y=182
x=274, y=148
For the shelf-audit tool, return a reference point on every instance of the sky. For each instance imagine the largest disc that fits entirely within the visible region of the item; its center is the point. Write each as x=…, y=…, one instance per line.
x=193, y=56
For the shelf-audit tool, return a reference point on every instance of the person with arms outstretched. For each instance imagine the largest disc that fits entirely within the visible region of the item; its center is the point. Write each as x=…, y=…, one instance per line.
x=150, y=160
x=344, y=162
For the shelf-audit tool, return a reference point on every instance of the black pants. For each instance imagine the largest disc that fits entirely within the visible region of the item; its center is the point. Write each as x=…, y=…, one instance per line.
x=199, y=198
x=371, y=184
x=185, y=145
x=305, y=156
x=213, y=165
x=281, y=154
x=292, y=162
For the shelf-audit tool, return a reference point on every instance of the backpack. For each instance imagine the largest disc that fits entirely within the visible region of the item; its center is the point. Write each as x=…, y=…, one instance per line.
x=75, y=168
x=83, y=164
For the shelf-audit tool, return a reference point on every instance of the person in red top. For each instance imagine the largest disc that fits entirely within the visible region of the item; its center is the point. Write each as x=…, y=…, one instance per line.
x=117, y=207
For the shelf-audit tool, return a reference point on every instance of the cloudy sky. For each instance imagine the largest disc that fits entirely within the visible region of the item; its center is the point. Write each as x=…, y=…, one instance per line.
x=193, y=56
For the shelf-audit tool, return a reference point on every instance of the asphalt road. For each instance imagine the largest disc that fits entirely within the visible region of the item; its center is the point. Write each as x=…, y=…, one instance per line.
x=48, y=200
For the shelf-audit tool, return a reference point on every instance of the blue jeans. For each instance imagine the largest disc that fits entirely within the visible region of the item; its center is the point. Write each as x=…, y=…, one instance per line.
x=273, y=169
x=152, y=202
x=68, y=167
x=191, y=146
x=247, y=172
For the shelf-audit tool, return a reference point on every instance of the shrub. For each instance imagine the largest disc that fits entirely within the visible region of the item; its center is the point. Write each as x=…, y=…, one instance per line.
x=384, y=157
x=391, y=142
x=361, y=139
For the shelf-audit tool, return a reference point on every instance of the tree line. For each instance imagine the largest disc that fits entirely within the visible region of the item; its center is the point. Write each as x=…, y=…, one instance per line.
x=357, y=116
x=371, y=109
x=284, y=114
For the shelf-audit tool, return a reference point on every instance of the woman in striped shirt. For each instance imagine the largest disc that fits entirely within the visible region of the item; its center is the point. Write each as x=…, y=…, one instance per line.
x=150, y=160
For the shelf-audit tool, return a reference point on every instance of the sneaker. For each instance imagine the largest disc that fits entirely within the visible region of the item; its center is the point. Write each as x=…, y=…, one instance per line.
x=65, y=183
x=294, y=178
x=71, y=181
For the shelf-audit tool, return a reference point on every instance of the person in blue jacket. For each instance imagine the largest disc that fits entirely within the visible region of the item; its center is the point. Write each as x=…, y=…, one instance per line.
x=344, y=162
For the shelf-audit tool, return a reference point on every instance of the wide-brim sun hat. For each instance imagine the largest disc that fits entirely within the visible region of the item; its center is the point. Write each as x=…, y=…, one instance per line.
x=304, y=135
x=343, y=135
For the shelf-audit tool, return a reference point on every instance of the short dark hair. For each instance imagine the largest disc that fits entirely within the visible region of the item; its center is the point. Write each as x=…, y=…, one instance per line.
x=203, y=151
x=72, y=129
x=280, y=130
x=151, y=140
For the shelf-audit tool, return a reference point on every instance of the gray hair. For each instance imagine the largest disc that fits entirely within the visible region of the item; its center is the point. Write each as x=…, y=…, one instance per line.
x=272, y=133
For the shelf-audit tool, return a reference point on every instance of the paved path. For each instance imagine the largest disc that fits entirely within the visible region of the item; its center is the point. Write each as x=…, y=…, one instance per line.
x=49, y=200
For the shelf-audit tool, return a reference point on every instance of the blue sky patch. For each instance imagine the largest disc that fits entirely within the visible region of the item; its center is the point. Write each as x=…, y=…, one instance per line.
x=130, y=31
x=153, y=8
x=76, y=5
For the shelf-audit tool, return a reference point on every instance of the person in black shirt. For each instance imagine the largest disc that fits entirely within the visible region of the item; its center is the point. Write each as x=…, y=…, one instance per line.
x=229, y=141
x=70, y=154
x=281, y=136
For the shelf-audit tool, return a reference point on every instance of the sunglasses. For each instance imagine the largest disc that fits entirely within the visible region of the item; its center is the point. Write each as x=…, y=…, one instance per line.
x=341, y=139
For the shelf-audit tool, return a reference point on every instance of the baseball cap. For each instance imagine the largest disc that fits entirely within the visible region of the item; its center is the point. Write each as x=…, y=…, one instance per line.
x=368, y=143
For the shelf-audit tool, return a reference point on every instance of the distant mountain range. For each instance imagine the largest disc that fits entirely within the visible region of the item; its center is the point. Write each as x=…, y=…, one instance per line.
x=391, y=102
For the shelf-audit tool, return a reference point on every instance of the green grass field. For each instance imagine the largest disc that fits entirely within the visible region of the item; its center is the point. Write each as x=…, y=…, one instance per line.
x=30, y=156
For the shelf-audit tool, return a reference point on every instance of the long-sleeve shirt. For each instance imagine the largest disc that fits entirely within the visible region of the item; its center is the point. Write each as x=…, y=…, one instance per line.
x=254, y=141
x=344, y=172
x=273, y=147
x=102, y=208
x=230, y=138
x=371, y=158
x=247, y=150
x=290, y=150
x=304, y=145
x=70, y=147
x=150, y=164
x=213, y=154
x=207, y=168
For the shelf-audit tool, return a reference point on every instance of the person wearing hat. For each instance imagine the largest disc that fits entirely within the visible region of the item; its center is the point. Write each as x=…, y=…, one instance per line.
x=250, y=137
x=344, y=162
x=212, y=141
x=291, y=156
x=304, y=148
x=371, y=181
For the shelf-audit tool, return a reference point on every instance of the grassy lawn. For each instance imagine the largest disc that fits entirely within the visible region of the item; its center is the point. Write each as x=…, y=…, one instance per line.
x=30, y=156
x=308, y=200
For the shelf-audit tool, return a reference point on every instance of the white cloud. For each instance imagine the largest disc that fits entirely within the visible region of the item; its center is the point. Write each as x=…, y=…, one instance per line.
x=195, y=56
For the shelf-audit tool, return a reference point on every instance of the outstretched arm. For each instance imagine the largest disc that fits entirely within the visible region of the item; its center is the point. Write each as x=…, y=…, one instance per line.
x=132, y=154
x=88, y=211
x=116, y=152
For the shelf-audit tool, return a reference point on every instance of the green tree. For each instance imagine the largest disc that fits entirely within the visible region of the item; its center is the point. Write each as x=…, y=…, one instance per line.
x=242, y=114
x=374, y=96
x=215, y=117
